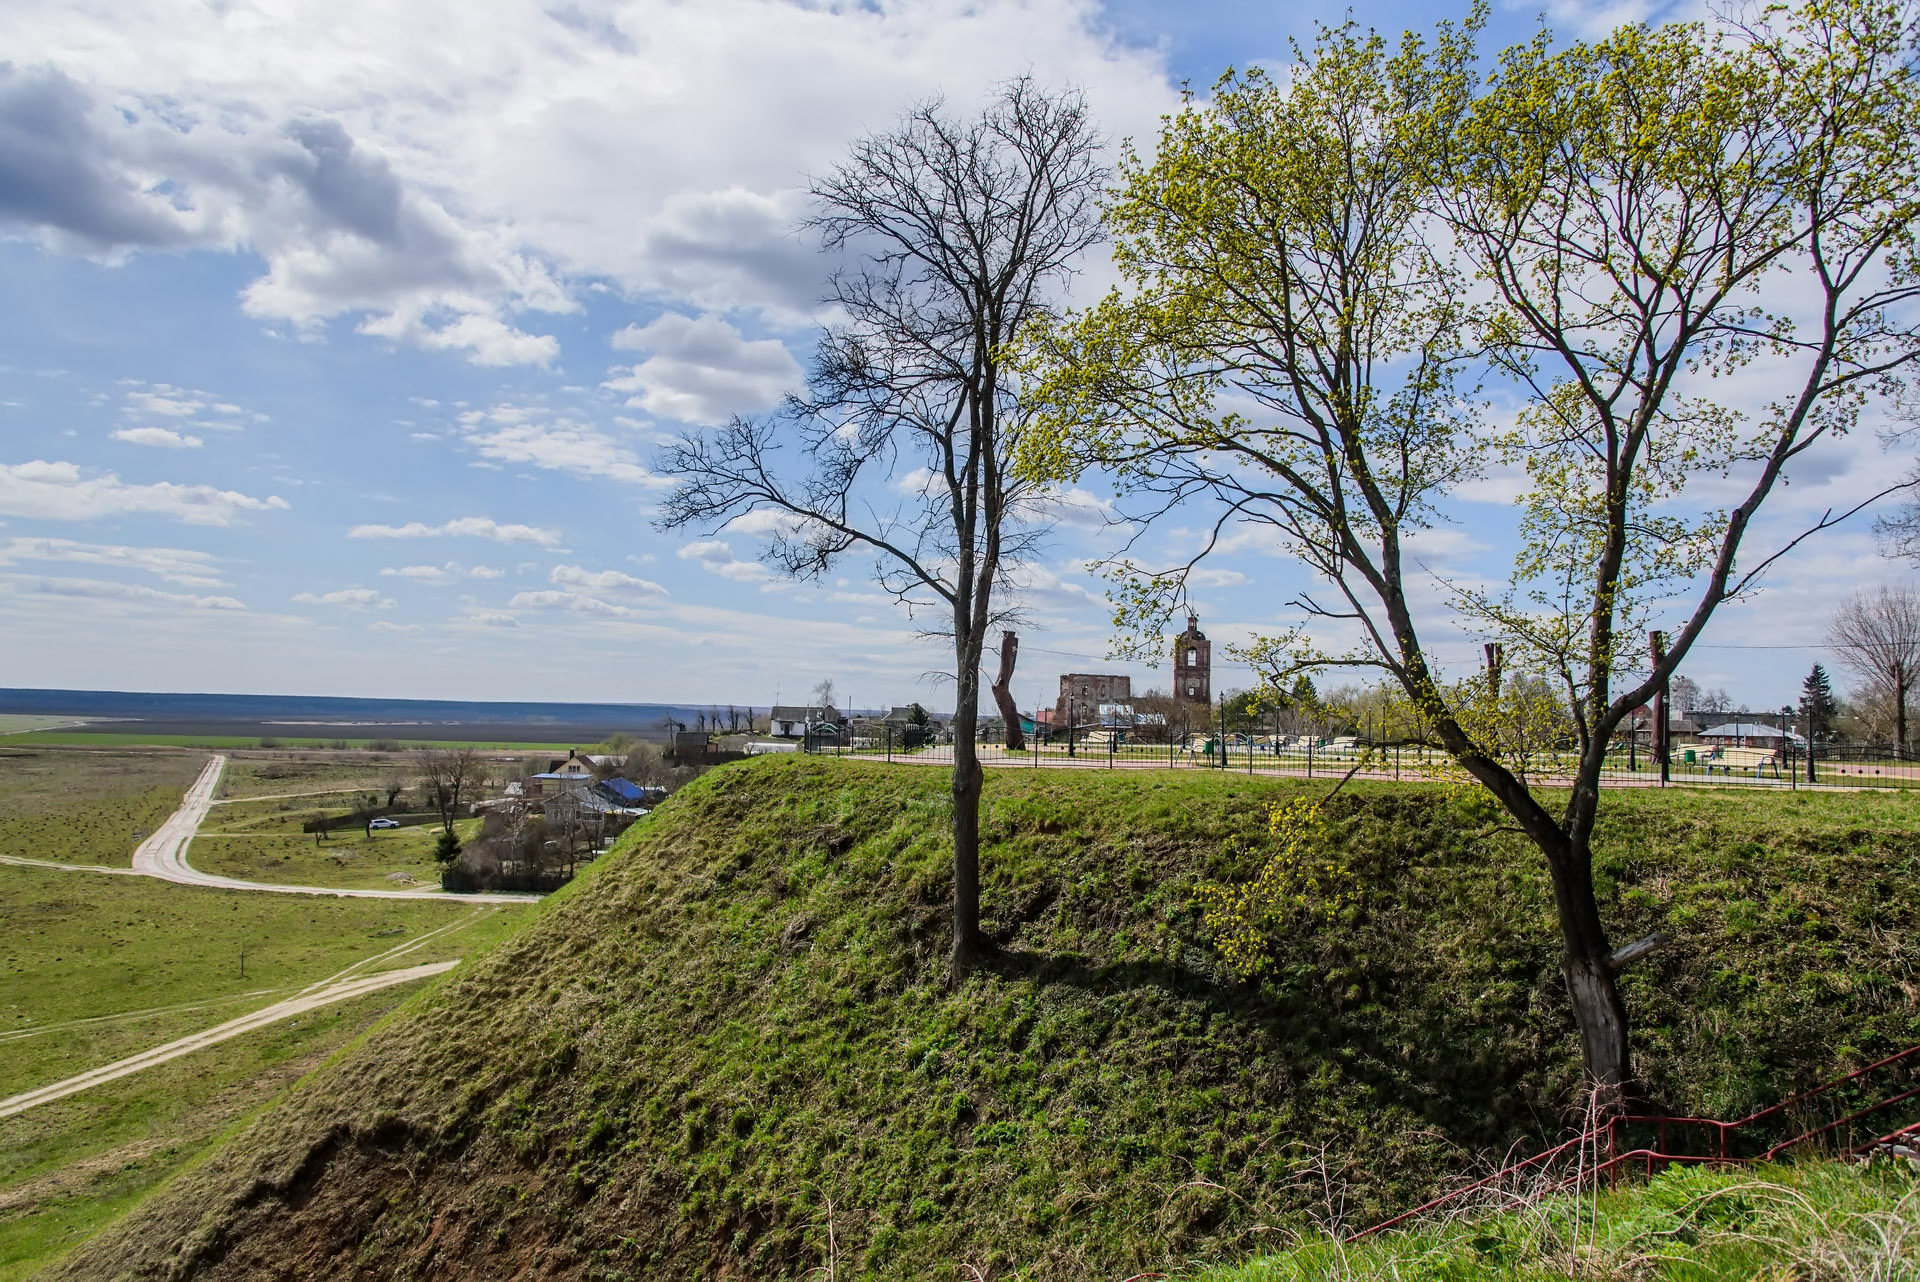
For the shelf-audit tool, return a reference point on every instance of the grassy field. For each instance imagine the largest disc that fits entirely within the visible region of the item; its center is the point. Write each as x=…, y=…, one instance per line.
x=70, y=1166
x=12, y=723
x=94, y=968
x=146, y=962
x=107, y=739
x=75, y=947
x=262, y=841
x=89, y=808
x=729, y=1050
x=275, y=774
x=1798, y=1221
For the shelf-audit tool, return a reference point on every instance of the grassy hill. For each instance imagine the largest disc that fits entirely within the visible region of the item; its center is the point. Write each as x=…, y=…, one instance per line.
x=727, y=1051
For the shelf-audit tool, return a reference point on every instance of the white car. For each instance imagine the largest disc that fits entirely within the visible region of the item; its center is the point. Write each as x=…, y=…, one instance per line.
x=382, y=823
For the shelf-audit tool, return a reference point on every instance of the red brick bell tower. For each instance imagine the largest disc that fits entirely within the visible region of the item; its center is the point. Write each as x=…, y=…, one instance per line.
x=1193, y=665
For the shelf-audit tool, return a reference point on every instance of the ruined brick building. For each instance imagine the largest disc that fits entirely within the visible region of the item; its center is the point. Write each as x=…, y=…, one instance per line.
x=1086, y=692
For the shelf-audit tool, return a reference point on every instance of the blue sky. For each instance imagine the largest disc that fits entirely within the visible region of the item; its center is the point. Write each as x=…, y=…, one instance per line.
x=336, y=342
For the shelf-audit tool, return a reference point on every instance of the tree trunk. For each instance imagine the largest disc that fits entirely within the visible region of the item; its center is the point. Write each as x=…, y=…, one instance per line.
x=1003, y=692
x=1597, y=1009
x=967, y=784
x=1899, y=715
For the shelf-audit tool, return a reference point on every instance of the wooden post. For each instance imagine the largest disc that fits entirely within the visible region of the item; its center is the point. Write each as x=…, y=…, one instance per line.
x=1661, y=748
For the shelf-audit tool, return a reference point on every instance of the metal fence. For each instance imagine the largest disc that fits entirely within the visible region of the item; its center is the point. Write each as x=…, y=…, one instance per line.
x=1694, y=765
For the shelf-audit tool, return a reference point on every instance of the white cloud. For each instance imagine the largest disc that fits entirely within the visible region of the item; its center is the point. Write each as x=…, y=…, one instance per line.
x=486, y=339
x=577, y=602
x=187, y=406
x=160, y=437
x=490, y=619
x=106, y=171
x=385, y=625
x=478, y=527
x=700, y=370
x=454, y=176
x=1592, y=21
x=552, y=441
x=351, y=598
x=174, y=565
x=59, y=492
x=574, y=576
x=716, y=556
x=765, y=522
x=447, y=573
x=167, y=402
x=101, y=590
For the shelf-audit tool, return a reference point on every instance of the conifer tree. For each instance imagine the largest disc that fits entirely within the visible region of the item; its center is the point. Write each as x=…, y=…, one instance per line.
x=1817, y=704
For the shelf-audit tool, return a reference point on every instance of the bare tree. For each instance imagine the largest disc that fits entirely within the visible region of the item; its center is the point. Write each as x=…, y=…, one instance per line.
x=963, y=231
x=446, y=775
x=1876, y=636
x=824, y=695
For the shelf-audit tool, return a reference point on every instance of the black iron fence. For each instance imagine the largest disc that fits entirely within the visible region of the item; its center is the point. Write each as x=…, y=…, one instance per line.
x=1702, y=764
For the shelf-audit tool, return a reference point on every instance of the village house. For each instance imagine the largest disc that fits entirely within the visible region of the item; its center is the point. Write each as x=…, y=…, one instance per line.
x=791, y=721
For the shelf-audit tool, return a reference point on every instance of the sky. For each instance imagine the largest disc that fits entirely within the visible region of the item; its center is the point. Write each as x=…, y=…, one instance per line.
x=338, y=343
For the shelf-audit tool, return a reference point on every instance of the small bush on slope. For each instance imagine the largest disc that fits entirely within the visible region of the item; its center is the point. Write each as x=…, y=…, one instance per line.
x=728, y=1045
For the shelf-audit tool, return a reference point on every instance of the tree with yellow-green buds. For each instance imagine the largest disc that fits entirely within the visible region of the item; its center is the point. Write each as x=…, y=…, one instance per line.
x=1319, y=267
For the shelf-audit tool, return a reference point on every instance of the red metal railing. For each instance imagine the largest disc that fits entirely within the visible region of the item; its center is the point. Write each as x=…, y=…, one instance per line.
x=1720, y=1139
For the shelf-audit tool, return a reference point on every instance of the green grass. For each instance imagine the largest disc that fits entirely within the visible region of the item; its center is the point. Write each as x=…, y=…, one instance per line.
x=160, y=961
x=88, y=739
x=68, y=1167
x=75, y=946
x=274, y=775
x=262, y=839
x=1813, y=1220
x=143, y=962
x=12, y=723
x=273, y=849
x=731, y=1039
x=88, y=808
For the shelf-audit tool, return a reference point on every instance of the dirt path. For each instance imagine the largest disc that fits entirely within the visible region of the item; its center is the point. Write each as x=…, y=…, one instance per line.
x=311, y=999
x=164, y=855
x=20, y=862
